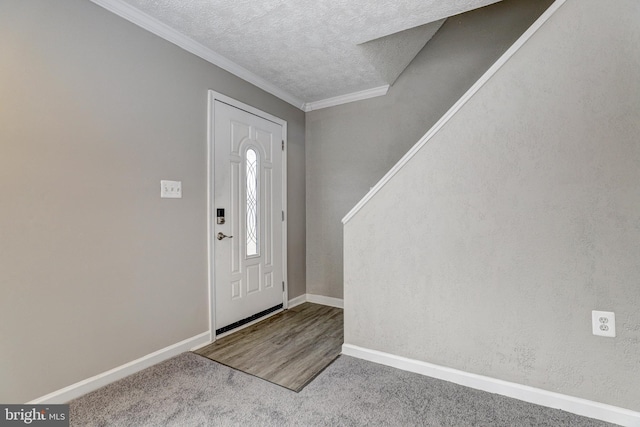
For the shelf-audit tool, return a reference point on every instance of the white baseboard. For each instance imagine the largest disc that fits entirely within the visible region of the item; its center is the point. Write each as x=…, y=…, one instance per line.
x=320, y=299
x=90, y=384
x=316, y=299
x=575, y=405
x=297, y=301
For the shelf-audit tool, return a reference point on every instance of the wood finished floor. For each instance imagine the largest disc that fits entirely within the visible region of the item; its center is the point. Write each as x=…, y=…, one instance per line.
x=289, y=348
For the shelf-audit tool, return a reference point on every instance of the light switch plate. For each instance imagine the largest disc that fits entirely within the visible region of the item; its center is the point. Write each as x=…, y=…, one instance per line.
x=171, y=189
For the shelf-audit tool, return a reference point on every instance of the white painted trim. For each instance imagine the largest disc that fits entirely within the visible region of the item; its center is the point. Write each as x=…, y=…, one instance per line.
x=285, y=234
x=316, y=299
x=210, y=210
x=321, y=299
x=214, y=96
x=344, y=99
x=297, y=300
x=575, y=405
x=456, y=107
x=249, y=109
x=90, y=384
x=160, y=29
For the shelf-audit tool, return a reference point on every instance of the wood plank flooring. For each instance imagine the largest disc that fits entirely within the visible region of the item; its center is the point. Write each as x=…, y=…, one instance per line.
x=288, y=349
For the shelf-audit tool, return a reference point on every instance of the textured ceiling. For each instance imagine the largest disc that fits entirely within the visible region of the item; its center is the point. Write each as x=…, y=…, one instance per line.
x=312, y=49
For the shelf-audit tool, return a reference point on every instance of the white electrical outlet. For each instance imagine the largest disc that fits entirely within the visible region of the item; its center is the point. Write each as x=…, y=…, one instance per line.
x=171, y=189
x=603, y=323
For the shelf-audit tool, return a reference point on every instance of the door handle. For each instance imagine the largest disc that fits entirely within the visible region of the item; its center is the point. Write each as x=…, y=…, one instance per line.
x=222, y=236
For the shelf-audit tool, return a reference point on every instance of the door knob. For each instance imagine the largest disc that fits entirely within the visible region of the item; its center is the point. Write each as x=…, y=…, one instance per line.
x=222, y=236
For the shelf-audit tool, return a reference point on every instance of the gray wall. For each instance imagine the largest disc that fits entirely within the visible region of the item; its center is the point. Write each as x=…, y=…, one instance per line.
x=519, y=217
x=350, y=147
x=95, y=269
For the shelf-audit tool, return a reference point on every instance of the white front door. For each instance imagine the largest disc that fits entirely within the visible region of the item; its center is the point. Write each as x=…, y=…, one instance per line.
x=248, y=186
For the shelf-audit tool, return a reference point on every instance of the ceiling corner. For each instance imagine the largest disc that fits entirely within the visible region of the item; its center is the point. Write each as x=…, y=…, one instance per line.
x=345, y=99
x=160, y=29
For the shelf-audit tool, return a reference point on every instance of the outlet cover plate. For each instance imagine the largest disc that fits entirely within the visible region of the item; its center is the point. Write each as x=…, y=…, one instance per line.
x=603, y=323
x=170, y=189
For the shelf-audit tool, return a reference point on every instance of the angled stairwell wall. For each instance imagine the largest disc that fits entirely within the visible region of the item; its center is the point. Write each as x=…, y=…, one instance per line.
x=487, y=251
x=350, y=147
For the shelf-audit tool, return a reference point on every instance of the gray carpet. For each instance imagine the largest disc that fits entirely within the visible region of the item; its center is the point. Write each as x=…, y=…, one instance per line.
x=190, y=390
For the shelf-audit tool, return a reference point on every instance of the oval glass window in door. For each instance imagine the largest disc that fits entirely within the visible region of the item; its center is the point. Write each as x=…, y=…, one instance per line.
x=252, y=180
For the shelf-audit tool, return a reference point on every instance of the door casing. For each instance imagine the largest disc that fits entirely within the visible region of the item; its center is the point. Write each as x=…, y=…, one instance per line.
x=213, y=97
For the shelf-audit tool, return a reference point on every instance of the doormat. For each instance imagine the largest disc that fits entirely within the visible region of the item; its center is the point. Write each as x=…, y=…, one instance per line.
x=289, y=349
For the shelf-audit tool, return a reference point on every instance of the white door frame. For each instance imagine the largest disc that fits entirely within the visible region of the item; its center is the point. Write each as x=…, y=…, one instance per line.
x=213, y=97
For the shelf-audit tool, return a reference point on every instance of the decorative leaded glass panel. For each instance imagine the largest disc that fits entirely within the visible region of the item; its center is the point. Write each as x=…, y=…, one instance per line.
x=252, y=202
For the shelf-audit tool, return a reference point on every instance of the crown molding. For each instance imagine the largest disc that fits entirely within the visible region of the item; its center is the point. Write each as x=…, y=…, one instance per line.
x=344, y=99
x=160, y=29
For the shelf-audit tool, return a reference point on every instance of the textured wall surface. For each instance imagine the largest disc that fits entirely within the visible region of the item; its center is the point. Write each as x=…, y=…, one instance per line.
x=95, y=269
x=350, y=147
x=305, y=47
x=519, y=217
